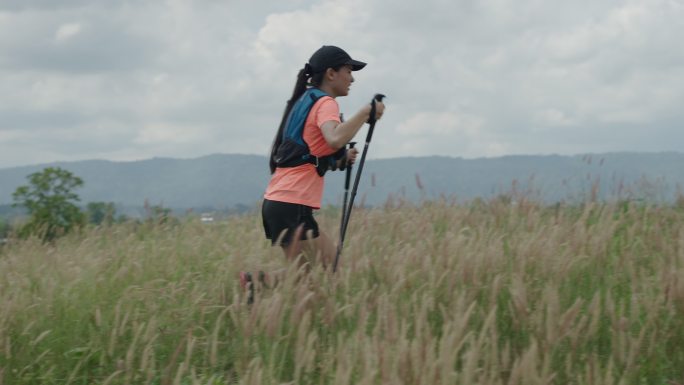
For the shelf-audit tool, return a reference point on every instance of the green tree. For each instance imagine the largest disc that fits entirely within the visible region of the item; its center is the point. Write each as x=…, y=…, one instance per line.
x=50, y=201
x=4, y=228
x=100, y=213
x=158, y=214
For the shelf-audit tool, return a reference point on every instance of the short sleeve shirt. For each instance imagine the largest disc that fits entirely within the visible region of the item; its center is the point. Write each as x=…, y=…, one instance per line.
x=302, y=184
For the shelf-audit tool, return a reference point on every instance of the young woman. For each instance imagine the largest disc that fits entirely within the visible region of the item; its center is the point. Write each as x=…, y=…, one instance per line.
x=310, y=140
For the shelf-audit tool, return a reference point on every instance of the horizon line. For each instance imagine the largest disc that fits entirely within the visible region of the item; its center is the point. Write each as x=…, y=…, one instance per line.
x=30, y=165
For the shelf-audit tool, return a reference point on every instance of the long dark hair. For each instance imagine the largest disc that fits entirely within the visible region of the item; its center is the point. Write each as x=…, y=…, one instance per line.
x=300, y=87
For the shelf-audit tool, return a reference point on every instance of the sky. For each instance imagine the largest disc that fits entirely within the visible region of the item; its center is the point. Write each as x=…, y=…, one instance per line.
x=129, y=80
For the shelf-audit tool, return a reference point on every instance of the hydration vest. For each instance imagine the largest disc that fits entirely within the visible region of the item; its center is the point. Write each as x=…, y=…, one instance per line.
x=293, y=151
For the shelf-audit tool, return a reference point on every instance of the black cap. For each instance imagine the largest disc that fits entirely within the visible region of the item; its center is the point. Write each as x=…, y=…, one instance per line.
x=330, y=56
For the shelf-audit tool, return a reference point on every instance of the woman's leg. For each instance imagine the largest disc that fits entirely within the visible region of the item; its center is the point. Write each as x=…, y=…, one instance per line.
x=320, y=248
x=279, y=215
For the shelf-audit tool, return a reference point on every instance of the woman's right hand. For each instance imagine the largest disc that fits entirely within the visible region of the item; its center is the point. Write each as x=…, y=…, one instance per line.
x=379, y=110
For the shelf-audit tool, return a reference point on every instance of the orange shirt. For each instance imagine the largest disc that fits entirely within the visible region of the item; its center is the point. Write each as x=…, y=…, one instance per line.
x=302, y=184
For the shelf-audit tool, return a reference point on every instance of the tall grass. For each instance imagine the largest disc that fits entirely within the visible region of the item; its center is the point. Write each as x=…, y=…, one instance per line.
x=441, y=293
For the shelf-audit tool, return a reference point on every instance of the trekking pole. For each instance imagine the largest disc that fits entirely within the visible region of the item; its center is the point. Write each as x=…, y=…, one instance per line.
x=350, y=204
x=347, y=179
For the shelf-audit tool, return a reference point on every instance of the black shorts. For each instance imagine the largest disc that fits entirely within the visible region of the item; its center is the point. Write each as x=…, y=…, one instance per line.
x=283, y=217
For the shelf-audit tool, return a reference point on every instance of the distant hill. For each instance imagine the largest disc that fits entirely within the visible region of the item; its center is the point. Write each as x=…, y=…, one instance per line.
x=222, y=181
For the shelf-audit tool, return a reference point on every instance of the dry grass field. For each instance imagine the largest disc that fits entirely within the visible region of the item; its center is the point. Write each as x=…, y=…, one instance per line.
x=440, y=293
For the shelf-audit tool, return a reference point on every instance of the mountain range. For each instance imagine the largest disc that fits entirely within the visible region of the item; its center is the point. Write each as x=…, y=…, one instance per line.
x=225, y=181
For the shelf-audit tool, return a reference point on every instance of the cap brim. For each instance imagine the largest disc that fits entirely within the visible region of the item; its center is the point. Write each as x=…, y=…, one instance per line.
x=356, y=65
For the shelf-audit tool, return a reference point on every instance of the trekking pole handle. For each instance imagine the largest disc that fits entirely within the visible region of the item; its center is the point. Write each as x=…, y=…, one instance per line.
x=349, y=166
x=371, y=119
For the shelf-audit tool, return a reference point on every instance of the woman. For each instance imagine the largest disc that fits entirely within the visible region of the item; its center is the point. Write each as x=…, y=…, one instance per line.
x=310, y=141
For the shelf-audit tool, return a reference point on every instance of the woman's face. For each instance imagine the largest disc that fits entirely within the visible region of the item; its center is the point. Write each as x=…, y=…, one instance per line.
x=340, y=81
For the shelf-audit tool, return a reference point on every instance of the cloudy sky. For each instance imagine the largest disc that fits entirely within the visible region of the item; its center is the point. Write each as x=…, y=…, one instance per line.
x=127, y=80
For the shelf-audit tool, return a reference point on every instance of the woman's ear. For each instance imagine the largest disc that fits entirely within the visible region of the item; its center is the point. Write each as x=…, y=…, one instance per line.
x=330, y=74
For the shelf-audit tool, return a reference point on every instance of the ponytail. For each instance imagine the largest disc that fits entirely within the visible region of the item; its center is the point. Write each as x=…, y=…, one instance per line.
x=299, y=88
x=303, y=77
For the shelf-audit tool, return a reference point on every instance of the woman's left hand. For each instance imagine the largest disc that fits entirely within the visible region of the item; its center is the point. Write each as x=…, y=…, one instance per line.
x=351, y=155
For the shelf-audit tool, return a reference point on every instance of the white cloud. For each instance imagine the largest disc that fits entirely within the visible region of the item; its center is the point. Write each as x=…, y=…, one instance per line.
x=440, y=124
x=67, y=31
x=463, y=78
x=286, y=40
x=448, y=133
x=552, y=117
x=170, y=133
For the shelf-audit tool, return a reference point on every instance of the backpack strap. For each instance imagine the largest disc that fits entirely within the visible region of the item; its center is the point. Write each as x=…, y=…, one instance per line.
x=293, y=151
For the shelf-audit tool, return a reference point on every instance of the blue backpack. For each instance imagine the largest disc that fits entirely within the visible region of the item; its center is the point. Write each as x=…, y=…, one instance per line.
x=293, y=151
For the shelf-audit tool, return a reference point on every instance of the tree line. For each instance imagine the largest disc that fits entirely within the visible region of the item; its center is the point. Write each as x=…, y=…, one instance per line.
x=51, y=204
